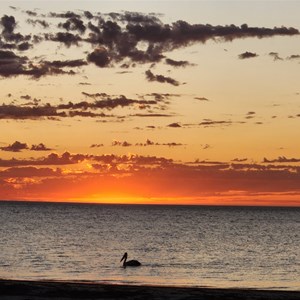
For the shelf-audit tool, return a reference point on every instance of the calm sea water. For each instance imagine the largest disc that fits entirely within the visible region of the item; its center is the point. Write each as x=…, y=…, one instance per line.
x=177, y=245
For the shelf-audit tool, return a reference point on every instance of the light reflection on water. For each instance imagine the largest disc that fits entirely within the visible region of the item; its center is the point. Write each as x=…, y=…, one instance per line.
x=186, y=246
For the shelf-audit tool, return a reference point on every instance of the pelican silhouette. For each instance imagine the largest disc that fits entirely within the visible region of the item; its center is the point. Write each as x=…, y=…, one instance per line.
x=130, y=263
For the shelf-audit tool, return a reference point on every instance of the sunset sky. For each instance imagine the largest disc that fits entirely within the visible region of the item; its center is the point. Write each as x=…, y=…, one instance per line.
x=175, y=102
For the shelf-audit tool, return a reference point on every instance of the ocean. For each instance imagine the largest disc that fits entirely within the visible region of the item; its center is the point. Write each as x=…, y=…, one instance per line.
x=199, y=246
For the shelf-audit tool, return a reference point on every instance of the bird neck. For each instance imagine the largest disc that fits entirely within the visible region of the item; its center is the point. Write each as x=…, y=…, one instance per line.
x=124, y=262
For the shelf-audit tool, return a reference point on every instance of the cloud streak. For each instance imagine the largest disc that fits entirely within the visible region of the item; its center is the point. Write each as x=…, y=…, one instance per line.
x=160, y=78
x=95, y=109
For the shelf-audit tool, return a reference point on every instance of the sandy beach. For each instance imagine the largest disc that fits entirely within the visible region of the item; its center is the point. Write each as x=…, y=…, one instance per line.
x=44, y=290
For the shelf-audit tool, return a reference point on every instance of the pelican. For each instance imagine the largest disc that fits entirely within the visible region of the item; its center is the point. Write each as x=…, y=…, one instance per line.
x=130, y=263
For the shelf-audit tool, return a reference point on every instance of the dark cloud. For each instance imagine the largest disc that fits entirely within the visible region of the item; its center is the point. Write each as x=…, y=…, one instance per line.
x=119, y=143
x=26, y=97
x=294, y=56
x=13, y=65
x=174, y=125
x=108, y=102
x=162, y=96
x=95, y=95
x=136, y=17
x=175, y=63
x=42, y=23
x=275, y=56
x=36, y=112
x=66, y=63
x=152, y=115
x=124, y=72
x=67, y=15
x=18, y=147
x=79, y=113
x=205, y=146
x=45, y=68
x=152, y=54
x=247, y=55
x=250, y=115
x=100, y=57
x=96, y=32
x=30, y=172
x=73, y=23
x=151, y=143
x=282, y=159
x=39, y=147
x=160, y=78
x=34, y=102
x=172, y=144
x=240, y=159
x=121, y=41
x=182, y=33
x=37, y=39
x=201, y=98
x=24, y=46
x=15, y=147
x=7, y=46
x=88, y=15
x=117, y=38
x=52, y=159
x=211, y=123
x=31, y=13
x=9, y=24
x=64, y=37
x=147, y=143
x=96, y=145
x=84, y=83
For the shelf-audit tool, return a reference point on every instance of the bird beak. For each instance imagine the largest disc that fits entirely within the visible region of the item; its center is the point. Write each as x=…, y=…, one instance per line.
x=122, y=258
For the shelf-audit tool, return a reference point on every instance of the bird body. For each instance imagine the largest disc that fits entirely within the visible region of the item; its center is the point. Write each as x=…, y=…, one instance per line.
x=129, y=263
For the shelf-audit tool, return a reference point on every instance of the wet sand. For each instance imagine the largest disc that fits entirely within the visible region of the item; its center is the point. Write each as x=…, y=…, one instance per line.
x=46, y=290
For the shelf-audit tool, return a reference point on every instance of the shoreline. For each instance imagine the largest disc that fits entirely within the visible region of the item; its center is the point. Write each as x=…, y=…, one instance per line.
x=46, y=290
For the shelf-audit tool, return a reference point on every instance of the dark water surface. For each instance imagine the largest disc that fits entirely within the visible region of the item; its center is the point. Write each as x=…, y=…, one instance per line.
x=177, y=245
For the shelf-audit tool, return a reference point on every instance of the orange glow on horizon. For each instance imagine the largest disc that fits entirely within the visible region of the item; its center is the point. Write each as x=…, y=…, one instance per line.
x=263, y=200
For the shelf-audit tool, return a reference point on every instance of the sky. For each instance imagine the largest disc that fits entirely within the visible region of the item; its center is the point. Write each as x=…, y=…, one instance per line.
x=151, y=102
